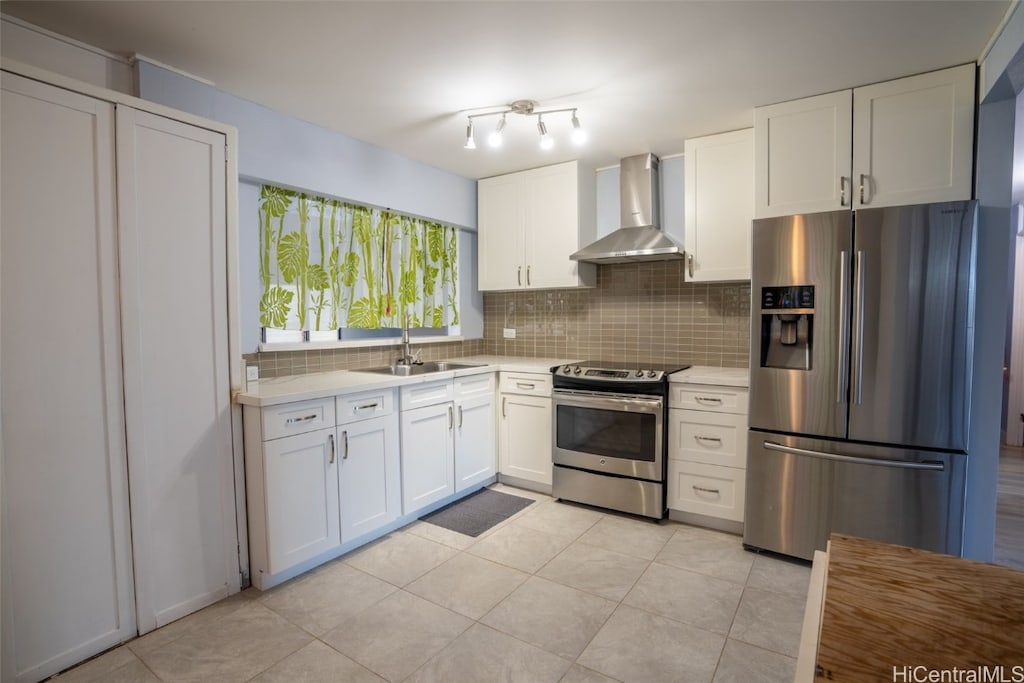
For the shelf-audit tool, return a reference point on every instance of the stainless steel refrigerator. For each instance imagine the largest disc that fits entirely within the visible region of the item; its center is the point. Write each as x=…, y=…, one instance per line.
x=862, y=328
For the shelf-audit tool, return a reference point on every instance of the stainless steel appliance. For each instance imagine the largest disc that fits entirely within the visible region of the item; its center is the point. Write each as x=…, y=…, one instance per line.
x=608, y=442
x=862, y=332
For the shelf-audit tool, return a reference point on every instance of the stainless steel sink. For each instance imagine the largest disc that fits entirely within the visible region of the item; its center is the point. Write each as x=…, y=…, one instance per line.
x=422, y=369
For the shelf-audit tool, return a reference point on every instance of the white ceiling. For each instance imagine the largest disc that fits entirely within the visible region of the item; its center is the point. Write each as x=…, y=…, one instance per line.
x=644, y=75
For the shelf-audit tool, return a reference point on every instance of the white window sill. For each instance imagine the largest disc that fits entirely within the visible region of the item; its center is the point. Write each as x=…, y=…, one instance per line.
x=354, y=343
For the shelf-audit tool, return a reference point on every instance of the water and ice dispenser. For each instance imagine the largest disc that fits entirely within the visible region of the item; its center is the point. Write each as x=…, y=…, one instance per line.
x=787, y=327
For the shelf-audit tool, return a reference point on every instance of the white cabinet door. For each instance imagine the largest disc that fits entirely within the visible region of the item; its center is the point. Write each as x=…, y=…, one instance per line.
x=171, y=190
x=67, y=566
x=369, y=477
x=500, y=233
x=427, y=455
x=719, y=200
x=802, y=155
x=524, y=437
x=301, y=488
x=552, y=227
x=475, y=440
x=914, y=139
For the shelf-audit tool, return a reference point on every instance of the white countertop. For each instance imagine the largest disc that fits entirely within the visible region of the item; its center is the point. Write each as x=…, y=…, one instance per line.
x=275, y=390
x=703, y=374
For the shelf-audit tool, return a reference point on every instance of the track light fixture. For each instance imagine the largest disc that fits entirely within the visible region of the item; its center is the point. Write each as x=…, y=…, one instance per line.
x=525, y=108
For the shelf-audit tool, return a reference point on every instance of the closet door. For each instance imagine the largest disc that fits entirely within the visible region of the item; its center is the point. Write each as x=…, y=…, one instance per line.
x=172, y=236
x=67, y=566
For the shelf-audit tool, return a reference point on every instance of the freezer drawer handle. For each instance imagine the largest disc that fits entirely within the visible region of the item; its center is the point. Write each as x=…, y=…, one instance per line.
x=713, y=439
x=712, y=401
x=701, y=489
x=902, y=464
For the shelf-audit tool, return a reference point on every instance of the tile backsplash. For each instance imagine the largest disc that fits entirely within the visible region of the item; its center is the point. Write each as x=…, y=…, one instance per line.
x=638, y=312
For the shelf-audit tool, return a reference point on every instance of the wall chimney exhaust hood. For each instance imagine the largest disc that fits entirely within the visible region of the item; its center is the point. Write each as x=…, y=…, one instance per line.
x=640, y=238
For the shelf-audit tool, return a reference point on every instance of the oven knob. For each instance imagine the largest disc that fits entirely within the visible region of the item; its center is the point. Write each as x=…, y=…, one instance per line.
x=567, y=369
x=652, y=374
x=639, y=373
x=576, y=370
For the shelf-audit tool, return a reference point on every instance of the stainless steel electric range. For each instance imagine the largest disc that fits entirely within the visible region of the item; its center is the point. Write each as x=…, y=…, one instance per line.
x=609, y=446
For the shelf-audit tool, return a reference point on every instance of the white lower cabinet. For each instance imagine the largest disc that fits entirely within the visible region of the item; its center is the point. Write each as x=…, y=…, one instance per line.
x=475, y=442
x=524, y=428
x=301, y=474
x=369, y=476
x=428, y=451
x=707, y=452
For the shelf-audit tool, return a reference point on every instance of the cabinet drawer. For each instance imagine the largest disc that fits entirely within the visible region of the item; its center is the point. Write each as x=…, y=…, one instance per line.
x=297, y=418
x=528, y=383
x=474, y=385
x=711, y=438
x=706, y=489
x=428, y=394
x=365, y=404
x=713, y=399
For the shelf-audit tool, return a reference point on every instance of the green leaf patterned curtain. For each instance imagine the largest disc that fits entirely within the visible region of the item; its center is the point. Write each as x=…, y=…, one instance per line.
x=326, y=264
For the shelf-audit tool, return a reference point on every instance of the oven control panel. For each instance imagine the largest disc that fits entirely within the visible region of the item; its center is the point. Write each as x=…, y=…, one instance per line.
x=610, y=375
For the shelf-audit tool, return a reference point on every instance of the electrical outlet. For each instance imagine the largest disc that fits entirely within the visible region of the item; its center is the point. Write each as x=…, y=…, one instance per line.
x=509, y=333
x=252, y=373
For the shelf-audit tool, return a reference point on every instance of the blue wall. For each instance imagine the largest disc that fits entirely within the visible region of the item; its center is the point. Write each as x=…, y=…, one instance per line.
x=280, y=149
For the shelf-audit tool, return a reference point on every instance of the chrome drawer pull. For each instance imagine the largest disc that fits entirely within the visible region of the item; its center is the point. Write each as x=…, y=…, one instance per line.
x=708, y=400
x=293, y=420
x=526, y=385
x=367, y=406
x=701, y=489
x=713, y=439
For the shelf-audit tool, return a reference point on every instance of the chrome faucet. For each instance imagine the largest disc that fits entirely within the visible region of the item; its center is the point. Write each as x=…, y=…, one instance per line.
x=408, y=357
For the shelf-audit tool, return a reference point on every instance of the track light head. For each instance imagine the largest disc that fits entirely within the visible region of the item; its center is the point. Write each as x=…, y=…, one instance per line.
x=579, y=136
x=545, y=140
x=470, y=142
x=494, y=139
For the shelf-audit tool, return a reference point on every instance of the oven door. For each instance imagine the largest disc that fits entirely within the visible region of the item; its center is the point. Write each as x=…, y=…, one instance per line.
x=609, y=433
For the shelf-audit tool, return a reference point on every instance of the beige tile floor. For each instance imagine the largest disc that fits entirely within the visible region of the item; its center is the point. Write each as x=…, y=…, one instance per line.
x=559, y=592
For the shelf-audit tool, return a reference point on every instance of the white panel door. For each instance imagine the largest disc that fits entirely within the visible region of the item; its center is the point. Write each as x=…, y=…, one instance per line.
x=427, y=455
x=67, y=568
x=524, y=437
x=500, y=233
x=719, y=200
x=172, y=234
x=802, y=155
x=914, y=139
x=301, y=474
x=551, y=226
x=369, y=476
x=475, y=441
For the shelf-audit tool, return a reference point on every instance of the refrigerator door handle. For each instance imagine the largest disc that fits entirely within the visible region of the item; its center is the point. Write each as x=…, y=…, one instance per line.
x=858, y=331
x=844, y=329
x=901, y=464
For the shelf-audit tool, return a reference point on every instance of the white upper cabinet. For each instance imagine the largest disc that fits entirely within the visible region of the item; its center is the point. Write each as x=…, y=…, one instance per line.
x=530, y=222
x=719, y=200
x=914, y=139
x=802, y=155
x=907, y=141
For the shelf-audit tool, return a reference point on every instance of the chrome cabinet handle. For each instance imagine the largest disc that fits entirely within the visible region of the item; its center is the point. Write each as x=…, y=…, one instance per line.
x=844, y=331
x=526, y=385
x=701, y=489
x=451, y=417
x=689, y=262
x=708, y=400
x=713, y=439
x=503, y=400
x=330, y=440
x=842, y=190
x=307, y=418
x=460, y=417
x=862, y=177
x=344, y=437
x=519, y=275
x=527, y=276
x=367, y=406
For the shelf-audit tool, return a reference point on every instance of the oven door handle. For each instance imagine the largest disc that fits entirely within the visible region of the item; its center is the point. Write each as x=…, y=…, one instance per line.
x=597, y=399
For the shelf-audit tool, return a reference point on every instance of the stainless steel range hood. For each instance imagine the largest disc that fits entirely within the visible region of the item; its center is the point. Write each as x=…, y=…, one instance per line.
x=640, y=238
